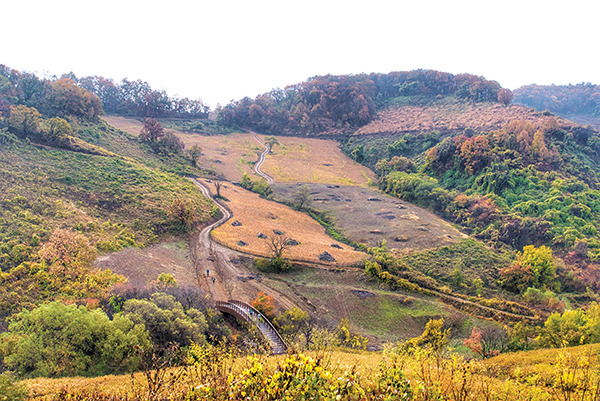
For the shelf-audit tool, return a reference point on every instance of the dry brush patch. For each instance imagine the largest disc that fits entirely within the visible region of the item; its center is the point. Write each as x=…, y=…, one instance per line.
x=314, y=161
x=258, y=215
x=444, y=117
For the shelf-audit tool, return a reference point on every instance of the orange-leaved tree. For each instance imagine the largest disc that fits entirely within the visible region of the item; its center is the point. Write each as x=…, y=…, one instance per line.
x=264, y=304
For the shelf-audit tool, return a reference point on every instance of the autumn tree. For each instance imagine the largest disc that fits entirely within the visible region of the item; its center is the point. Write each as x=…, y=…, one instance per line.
x=24, y=121
x=194, y=152
x=264, y=304
x=505, y=96
x=152, y=131
x=183, y=213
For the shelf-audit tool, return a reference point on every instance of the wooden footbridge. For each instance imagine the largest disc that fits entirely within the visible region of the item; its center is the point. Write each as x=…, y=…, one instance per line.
x=247, y=313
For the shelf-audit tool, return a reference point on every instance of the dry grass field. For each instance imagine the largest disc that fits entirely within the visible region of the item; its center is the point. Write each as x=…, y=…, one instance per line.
x=367, y=216
x=125, y=385
x=141, y=266
x=258, y=215
x=230, y=155
x=313, y=160
x=134, y=127
x=453, y=116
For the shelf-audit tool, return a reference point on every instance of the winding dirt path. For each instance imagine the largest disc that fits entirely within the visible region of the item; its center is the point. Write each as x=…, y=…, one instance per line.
x=231, y=280
x=261, y=160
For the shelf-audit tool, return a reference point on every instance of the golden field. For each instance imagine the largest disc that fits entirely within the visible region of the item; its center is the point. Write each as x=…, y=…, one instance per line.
x=230, y=155
x=259, y=215
x=312, y=160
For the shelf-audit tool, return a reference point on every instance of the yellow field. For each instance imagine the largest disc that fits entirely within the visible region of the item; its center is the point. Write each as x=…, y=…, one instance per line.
x=259, y=215
x=230, y=155
x=475, y=379
x=313, y=161
x=123, y=385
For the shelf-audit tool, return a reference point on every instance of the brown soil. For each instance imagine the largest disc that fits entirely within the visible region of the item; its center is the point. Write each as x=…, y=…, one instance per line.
x=141, y=266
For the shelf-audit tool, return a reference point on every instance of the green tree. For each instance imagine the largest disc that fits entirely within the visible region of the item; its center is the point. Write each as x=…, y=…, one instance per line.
x=194, y=152
x=166, y=320
x=542, y=265
x=58, y=129
x=24, y=121
x=572, y=327
x=64, y=340
x=9, y=390
x=271, y=141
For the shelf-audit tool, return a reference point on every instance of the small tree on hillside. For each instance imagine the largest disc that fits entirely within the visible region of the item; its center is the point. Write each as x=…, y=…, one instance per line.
x=271, y=141
x=152, y=131
x=505, y=96
x=302, y=197
x=194, y=152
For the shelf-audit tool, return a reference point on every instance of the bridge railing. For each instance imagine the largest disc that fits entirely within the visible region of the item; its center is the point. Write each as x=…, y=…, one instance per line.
x=241, y=309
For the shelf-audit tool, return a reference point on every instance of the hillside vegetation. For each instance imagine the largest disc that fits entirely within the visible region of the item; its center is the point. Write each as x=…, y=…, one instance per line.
x=73, y=187
x=579, y=102
x=329, y=105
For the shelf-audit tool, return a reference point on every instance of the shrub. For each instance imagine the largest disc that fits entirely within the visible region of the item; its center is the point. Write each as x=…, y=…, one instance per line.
x=64, y=340
x=166, y=320
x=9, y=390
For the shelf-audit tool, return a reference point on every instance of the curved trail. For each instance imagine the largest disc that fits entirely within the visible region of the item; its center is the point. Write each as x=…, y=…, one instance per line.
x=231, y=281
x=261, y=160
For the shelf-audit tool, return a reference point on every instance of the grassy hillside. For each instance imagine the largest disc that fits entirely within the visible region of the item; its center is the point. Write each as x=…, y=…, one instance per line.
x=112, y=201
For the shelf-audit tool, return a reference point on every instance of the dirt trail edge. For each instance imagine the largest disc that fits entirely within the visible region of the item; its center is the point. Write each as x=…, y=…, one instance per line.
x=261, y=160
x=212, y=260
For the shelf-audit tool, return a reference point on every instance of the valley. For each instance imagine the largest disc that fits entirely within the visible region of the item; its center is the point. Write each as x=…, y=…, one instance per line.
x=416, y=219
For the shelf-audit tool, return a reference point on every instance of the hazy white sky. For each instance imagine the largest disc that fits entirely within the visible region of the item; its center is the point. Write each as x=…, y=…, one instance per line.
x=228, y=49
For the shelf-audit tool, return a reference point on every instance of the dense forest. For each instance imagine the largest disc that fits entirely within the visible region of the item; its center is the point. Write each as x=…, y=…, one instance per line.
x=340, y=104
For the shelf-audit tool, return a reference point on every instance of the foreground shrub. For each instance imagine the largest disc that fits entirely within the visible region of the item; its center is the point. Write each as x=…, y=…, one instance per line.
x=65, y=340
x=9, y=390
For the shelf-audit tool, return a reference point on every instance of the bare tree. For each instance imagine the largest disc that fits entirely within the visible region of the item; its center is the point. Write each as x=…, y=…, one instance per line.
x=278, y=244
x=218, y=181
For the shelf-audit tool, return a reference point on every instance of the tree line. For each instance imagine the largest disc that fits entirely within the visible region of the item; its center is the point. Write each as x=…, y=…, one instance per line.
x=580, y=99
x=340, y=104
